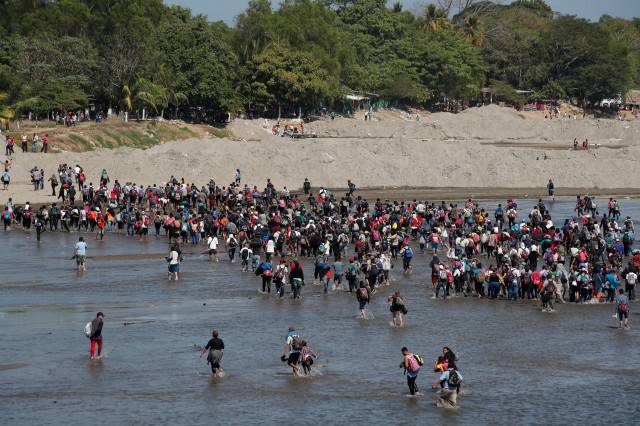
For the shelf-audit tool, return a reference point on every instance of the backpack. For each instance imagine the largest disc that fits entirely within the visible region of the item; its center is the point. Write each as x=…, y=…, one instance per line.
x=87, y=330
x=454, y=378
x=296, y=343
x=7, y=215
x=419, y=359
x=443, y=274
x=623, y=308
x=351, y=272
x=363, y=294
x=267, y=273
x=279, y=274
x=408, y=253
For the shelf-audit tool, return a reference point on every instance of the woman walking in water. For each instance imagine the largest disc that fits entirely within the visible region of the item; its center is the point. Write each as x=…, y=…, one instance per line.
x=215, y=346
x=397, y=308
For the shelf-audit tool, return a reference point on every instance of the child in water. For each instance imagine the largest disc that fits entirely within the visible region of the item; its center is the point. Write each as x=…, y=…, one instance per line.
x=307, y=356
x=441, y=365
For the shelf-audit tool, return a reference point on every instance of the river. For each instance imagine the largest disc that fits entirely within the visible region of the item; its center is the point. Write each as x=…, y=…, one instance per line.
x=520, y=365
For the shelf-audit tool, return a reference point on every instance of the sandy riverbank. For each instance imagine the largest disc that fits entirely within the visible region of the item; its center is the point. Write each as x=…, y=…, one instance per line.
x=488, y=153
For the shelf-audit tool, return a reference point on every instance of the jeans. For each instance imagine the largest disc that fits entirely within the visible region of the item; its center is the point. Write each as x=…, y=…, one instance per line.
x=280, y=287
x=325, y=283
x=411, y=382
x=514, y=292
x=266, y=284
x=255, y=261
x=441, y=285
x=296, y=287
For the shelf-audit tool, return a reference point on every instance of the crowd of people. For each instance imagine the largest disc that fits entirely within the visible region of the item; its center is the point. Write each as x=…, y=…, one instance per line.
x=507, y=253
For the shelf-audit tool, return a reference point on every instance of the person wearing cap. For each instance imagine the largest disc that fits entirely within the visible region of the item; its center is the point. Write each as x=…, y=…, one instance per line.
x=291, y=351
x=96, y=335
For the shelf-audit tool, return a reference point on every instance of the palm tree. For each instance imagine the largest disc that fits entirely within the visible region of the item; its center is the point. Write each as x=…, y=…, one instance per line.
x=126, y=101
x=166, y=79
x=435, y=19
x=472, y=31
x=6, y=112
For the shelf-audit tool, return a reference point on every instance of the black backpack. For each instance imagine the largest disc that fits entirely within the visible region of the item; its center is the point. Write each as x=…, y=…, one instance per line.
x=454, y=378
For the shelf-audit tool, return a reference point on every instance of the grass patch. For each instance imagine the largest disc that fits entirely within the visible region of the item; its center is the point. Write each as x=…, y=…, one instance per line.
x=188, y=132
x=86, y=145
x=138, y=139
x=103, y=142
x=113, y=136
x=221, y=133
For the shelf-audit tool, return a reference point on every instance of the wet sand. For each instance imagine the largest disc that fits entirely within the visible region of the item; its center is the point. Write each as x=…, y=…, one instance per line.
x=478, y=193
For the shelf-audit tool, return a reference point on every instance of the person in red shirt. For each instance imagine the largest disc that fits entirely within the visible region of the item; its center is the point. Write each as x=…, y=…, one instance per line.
x=45, y=143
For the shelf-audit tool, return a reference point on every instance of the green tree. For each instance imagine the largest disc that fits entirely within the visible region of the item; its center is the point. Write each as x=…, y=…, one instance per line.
x=293, y=78
x=585, y=61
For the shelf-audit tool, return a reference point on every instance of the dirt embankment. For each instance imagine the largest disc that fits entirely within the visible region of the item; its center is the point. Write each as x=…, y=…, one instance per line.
x=481, y=149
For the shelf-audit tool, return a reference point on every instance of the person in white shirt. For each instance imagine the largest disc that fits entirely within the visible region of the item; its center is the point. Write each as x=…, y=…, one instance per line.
x=80, y=255
x=212, y=243
x=232, y=245
x=632, y=279
x=174, y=262
x=271, y=248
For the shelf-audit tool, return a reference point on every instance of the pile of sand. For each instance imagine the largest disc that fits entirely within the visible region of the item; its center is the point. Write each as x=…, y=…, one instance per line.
x=481, y=147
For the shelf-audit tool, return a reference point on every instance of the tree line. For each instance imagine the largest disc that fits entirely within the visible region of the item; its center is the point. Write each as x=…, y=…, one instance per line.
x=304, y=55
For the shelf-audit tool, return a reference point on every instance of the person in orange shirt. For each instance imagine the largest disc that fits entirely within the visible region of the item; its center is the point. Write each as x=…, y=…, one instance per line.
x=92, y=217
x=101, y=225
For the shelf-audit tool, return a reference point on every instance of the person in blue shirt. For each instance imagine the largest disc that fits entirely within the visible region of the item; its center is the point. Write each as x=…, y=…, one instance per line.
x=449, y=383
x=338, y=271
x=265, y=270
x=622, y=309
x=499, y=215
x=612, y=282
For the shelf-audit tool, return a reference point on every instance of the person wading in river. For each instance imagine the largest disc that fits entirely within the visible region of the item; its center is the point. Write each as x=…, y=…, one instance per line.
x=215, y=346
x=96, y=335
x=411, y=364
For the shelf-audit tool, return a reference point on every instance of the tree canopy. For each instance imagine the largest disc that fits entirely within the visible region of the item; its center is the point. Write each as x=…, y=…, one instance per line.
x=302, y=55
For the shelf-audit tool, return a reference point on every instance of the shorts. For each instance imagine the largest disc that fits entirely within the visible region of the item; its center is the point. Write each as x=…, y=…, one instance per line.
x=434, y=246
x=212, y=252
x=448, y=395
x=174, y=268
x=362, y=303
x=623, y=315
x=80, y=259
x=294, y=357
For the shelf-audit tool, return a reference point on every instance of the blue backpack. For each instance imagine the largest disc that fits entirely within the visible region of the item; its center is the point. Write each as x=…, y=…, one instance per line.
x=408, y=253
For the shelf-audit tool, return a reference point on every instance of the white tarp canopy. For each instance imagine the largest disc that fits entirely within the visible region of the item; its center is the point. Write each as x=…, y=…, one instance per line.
x=355, y=97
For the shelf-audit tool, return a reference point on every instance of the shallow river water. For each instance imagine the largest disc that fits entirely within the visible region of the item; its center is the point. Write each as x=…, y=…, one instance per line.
x=520, y=366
